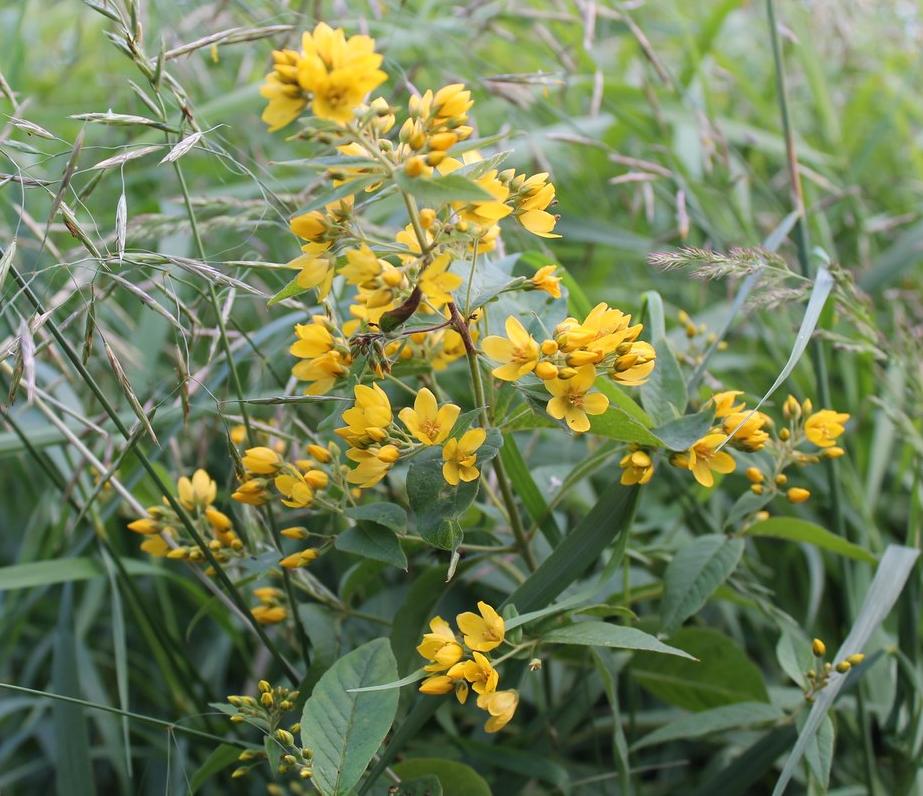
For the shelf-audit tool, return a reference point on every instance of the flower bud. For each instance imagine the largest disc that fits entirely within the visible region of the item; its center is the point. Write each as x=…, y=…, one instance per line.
x=549, y=348
x=797, y=495
x=546, y=371
x=414, y=167
x=818, y=648
x=843, y=666
x=285, y=737
x=754, y=475
x=856, y=659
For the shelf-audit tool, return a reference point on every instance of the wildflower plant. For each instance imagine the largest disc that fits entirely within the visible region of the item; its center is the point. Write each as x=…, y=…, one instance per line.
x=440, y=521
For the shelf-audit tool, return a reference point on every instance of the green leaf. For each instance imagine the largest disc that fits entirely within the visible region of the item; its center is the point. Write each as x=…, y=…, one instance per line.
x=798, y=530
x=344, y=730
x=683, y=432
x=615, y=423
x=793, y=651
x=727, y=717
x=290, y=290
x=606, y=523
x=73, y=767
x=697, y=569
x=410, y=679
x=388, y=514
x=722, y=675
x=371, y=540
x=410, y=621
x=64, y=570
x=602, y=634
x=819, y=749
x=437, y=504
x=456, y=779
x=428, y=785
x=527, y=491
x=273, y=751
x=436, y=191
x=663, y=396
x=220, y=758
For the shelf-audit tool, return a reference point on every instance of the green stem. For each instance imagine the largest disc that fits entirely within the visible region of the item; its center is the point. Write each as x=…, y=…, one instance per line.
x=128, y=714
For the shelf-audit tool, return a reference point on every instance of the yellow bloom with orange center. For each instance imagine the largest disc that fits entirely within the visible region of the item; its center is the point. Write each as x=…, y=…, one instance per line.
x=637, y=468
x=572, y=400
x=369, y=417
x=501, y=705
x=703, y=458
x=545, y=279
x=483, y=631
x=824, y=426
x=479, y=672
x=338, y=72
x=440, y=646
x=427, y=421
x=518, y=351
x=459, y=456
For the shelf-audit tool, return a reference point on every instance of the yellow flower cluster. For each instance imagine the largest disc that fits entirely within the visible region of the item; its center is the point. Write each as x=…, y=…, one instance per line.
x=297, y=484
x=165, y=534
x=331, y=72
x=270, y=608
x=569, y=362
x=750, y=435
x=449, y=670
x=377, y=443
x=818, y=677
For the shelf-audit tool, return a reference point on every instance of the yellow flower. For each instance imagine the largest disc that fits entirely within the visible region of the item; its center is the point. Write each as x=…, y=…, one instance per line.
x=545, y=279
x=155, y=546
x=440, y=646
x=634, y=367
x=287, y=98
x=479, y=672
x=314, y=339
x=459, y=456
x=253, y=492
x=268, y=595
x=437, y=685
x=637, y=468
x=702, y=458
x=146, y=526
x=823, y=427
x=572, y=401
x=724, y=403
x=437, y=283
x=518, y=351
x=238, y=434
x=296, y=492
x=374, y=464
x=426, y=421
x=269, y=614
x=369, y=417
x=534, y=195
x=315, y=272
x=362, y=265
x=261, y=461
x=501, y=705
x=300, y=559
x=338, y=72
x=603, y=331
x=198, y=493
x=482, y=633
x=750, y=436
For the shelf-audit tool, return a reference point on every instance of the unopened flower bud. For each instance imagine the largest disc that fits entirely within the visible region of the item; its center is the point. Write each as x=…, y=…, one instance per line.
x=754, y=475
x=818, y=648
x=414, y=167
x=797, y=495
x=546, y=371
x=843, y=666
x=856, y=659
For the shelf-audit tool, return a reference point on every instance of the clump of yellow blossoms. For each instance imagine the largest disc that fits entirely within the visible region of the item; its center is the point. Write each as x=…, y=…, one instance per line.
x=818, y=678
x=450, y=670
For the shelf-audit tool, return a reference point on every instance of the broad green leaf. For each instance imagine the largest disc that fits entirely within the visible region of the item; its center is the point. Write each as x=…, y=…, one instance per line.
x=819, y=749
x=615, y=423
x=371, y=540
x=797, y=530
x=388, y=514
x=606, y=523
x=892, y=573
x=436, y=191
x=456, y=779
x=221, y=758
x=722, y=675
x=273, y=751
x=683, y=432
x=602, y=634
x=793, y=651
x=697, y=569
x=344, y=730
x=663, y=396
x=428, y=785
x=727, y=717
x=527, y=491
x=436, y=504
x=620, y=398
